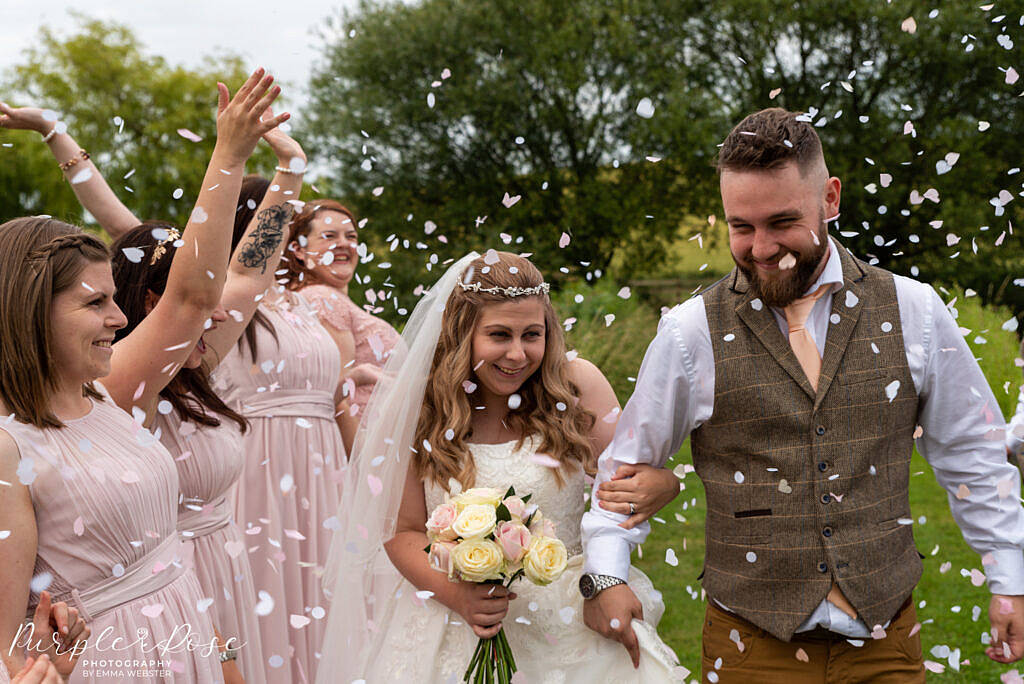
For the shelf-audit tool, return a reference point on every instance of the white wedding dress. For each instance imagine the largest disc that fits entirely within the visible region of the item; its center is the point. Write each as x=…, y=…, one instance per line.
x=425, y=642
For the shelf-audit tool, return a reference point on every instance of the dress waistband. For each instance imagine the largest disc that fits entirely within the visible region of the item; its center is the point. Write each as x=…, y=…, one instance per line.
x=149, y=574
x=304, y=403
x=201, y=523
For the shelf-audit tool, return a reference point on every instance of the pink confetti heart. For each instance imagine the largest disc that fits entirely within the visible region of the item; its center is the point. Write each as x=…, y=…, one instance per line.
x=79, y=526
x=298, y=621
x=376, y=486
x=977, y=577
x=878, y=632
x=153, y=610
x=563, y=241
x=130, y=477
x=234, y=548
x=802, y=656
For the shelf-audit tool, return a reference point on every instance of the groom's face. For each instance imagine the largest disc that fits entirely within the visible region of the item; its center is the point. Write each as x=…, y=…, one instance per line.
x=777, y=231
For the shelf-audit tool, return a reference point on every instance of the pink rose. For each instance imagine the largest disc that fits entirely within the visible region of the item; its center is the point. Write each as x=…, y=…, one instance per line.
x=516, y=507
x=441, y=557
x=514, y=539
x=439, y=526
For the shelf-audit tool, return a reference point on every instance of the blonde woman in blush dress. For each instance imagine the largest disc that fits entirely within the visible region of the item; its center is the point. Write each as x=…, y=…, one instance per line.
x=321, y=262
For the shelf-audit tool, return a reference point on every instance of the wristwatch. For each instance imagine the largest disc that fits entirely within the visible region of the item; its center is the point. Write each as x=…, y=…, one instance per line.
x=591, y=585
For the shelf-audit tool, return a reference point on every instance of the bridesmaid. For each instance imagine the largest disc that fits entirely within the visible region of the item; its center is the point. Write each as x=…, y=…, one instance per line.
x=137, y=368
x=285, y=376
x=92, y=502
x=206, y=449
x=190, y=420
x=323, y=242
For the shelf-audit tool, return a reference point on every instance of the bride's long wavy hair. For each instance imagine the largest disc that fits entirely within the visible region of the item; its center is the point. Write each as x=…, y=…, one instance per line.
x=550, y=400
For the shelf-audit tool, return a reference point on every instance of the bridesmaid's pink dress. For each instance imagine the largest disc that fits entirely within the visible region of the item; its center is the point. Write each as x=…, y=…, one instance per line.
x=209, y=462
x=374, y=337
x=105, y=493
x=288, y=495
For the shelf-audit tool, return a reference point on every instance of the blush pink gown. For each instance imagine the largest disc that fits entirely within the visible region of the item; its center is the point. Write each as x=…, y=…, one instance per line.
x=288, y=494
x=209, y=463
x=374, y=337
x=105, y=494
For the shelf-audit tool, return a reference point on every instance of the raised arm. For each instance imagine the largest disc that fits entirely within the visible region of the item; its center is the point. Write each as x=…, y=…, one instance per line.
x=258, y=253
x=146, y=360
x=85, y=178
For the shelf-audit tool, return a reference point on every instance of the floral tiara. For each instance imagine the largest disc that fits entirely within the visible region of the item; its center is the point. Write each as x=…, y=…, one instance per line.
x=161, y=245
x=507, y=291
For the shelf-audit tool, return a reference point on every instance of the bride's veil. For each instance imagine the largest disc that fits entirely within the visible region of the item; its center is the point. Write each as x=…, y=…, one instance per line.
x=359, y=578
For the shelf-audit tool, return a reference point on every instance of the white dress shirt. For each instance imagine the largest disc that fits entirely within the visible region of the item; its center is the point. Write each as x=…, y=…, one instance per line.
x=1015, y=430
x=963, y=438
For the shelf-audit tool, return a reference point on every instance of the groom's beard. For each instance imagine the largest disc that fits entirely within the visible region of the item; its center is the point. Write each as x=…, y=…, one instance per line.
x=791, y=284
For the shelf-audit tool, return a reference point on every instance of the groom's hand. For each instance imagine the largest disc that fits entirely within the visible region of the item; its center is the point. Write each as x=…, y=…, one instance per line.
x=1006, y=615
x=611, y=613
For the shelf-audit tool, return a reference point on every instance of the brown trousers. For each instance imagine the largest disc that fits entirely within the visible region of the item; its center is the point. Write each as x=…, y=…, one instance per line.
x=896, y=659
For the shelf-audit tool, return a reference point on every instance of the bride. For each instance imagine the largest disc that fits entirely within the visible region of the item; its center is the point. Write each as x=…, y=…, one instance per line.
x=480, y=394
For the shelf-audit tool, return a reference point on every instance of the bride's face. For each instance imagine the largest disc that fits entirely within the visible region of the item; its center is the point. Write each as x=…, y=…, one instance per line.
x=508, y=344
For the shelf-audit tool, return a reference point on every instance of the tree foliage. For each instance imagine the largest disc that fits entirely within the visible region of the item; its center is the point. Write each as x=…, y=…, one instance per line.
x=125, y=108
x=542, y=98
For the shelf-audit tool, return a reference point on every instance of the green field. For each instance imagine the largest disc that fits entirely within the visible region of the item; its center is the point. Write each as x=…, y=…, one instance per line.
x=947, y=601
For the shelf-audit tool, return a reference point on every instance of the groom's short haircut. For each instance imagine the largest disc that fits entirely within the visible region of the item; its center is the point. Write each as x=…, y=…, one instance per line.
x=769, y=139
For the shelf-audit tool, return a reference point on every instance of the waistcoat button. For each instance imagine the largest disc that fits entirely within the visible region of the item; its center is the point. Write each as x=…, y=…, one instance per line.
x=827, y=531
x=822, y=466
x=820, y=429
x=822, y=567
x=825, y=498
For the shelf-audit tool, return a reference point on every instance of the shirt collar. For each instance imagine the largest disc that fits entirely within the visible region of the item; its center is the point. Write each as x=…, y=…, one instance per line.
x=832, y=274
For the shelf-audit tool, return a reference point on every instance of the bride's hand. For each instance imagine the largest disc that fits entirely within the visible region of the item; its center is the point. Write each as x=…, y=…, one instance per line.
x=649, y=489
x=483, y=607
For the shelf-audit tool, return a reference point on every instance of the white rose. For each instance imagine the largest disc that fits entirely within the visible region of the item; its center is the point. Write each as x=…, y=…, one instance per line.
x=545, y=560
x=478, y=560
x=475, y=521
x=482, y=496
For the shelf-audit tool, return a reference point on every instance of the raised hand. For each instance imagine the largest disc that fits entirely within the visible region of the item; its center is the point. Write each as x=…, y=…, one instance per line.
x=24, y=118
x=283, y=145
x=239, y=119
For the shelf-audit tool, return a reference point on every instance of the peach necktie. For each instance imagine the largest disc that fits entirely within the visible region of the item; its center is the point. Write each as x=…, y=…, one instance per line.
x=800, y=340
x=806, y=352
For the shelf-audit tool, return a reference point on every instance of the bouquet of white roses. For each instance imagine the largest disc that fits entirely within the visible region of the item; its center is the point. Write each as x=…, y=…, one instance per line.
x=482, y=536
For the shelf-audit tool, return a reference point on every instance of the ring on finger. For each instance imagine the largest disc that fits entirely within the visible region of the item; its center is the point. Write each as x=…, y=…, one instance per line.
x=632, y=508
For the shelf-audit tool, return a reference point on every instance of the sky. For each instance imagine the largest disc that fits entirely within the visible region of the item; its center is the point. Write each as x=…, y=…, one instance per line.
x=277, y=35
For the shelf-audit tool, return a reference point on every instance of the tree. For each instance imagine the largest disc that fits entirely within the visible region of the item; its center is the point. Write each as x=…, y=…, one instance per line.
x=125, y=108
x=907, y=100
x=449, y=105
x=445, y=105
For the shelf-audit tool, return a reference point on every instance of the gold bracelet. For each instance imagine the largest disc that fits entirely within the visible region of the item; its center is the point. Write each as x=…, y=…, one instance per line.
x=82, y=154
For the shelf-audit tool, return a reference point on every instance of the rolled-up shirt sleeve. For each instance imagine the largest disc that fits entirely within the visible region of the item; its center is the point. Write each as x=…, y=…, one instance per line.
x=963, y=441
x=656, y=421
x=1015, y=430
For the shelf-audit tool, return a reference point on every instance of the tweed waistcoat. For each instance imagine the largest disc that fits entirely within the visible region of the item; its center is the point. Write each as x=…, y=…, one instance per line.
x=808, y=488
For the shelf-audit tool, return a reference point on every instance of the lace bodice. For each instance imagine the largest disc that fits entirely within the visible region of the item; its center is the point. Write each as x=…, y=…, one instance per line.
x=502, y=466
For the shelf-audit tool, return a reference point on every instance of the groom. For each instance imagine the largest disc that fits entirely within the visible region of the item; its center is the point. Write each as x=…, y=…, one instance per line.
x=803, y=379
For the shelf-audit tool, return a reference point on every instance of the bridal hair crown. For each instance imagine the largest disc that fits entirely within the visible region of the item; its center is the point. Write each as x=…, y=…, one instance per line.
x=507, y=291
x=161, y=245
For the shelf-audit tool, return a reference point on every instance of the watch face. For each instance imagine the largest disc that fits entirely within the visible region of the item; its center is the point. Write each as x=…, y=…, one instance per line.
x=587, y=586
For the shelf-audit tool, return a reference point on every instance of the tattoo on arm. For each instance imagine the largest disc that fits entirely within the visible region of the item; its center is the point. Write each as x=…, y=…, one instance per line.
x=266, y=238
